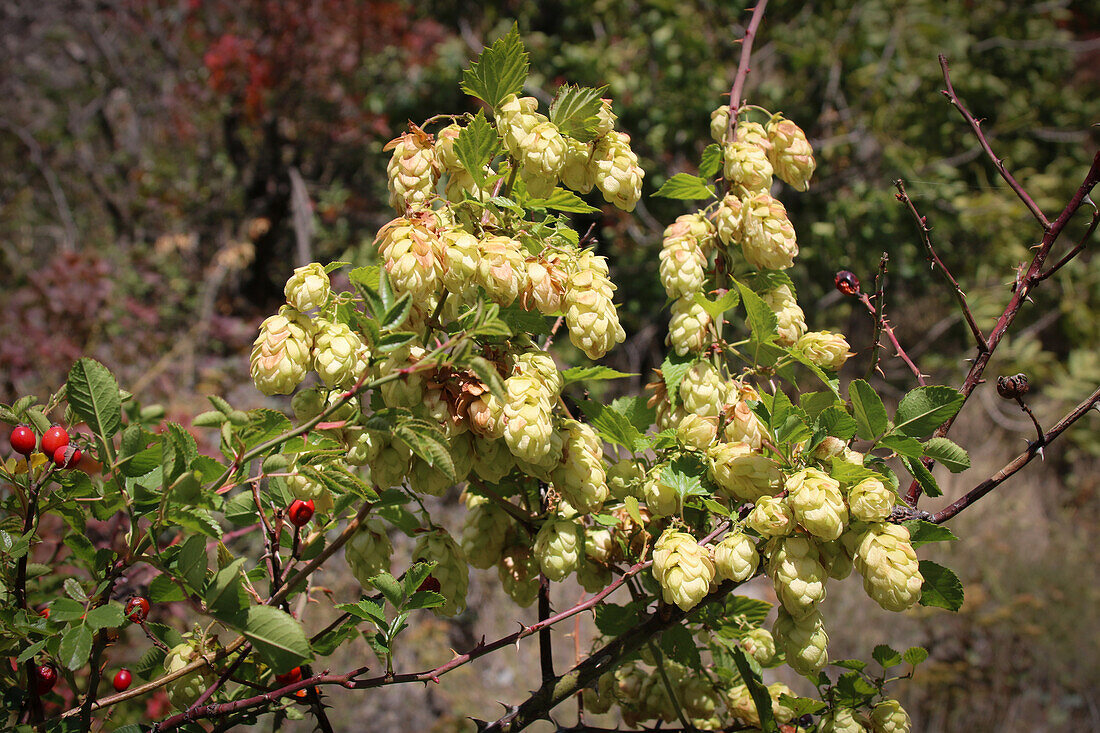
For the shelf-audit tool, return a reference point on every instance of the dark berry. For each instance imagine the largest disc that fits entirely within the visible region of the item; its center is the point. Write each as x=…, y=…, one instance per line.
x=1013, y=387
x=23, y=440
x=430, y=584
x=300, y=512
x=847, y=282
x=122, y=679
x=137, y=609
x=45, y=677
x=54, y=438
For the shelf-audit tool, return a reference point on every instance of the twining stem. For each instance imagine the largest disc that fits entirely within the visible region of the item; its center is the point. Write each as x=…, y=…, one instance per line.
x=738, y=87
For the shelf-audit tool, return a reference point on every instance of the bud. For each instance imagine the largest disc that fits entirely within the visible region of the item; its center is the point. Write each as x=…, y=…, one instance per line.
x=760, y=645
x=791, y=154
x=558, y=547
x=817, y=503
x=281, y=353
x=797, y=574
x=339, y=356
x=735, y=557
x=889, y=716
x=825, y=349
x=683, y=568
x=1013, y=387
x=870, y=501
x=412, y=170
x=888, y=564
x=771, y=517
x=829, y=448
x=689, y=327
x=768, y=239
x=792, y=321
x=803, y=641
x=450, y=568
x=368, y=551
x=747, y=165
x=617, y=173
x=308, y=288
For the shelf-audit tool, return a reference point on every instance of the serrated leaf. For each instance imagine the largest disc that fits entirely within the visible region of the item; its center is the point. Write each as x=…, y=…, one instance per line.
x=947, y=453
x=611, y=425
x=475, y=146
x=686, y=187
x=524, y=321
x=715, y=308
x=398, y=313
x=365, y=609
x=711, y=160
x=277, y=637
x=107, y=616
x=575, y=109
x=208, y=419
x=679, y=645
x=74, y=590
x=422, y=599
x=500, y=70
x=429, y=444
x=415, y=575
x=635, y=409
x=914, y=655
x=942, y=588
x=163, y=590
x=92, y=392
x=592, y=374
x=923, y=533
x=673, y=369
x=761, y=319
x=191, y=561
x=923, y=410
x=923, y=476
x=867, y=409
x=886, y=656
x=388, y=586
x=835, y=421
x=904, y=446
x=631, y=504
x=223, y=594
x=857, y=665
x=684, y=474
x=613, y=620
x=561, y=199
x=30, y=651
x=75, y=647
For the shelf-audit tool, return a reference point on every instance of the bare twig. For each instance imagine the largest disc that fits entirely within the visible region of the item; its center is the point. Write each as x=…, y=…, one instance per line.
x=976, y=126
x=1073, y=252
x=1018, y=462
x=956, y=291
x=883, y=324
x=743, y=65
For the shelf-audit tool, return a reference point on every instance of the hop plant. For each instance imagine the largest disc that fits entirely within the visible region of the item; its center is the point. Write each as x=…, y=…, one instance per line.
x=771, y=516
x=791, y=155
x=791, y=319
x=746, y=164
x=661, y=497
x=459, y=259
x=689, y=327
x=888, y=564
x=768, y=239
x=412, y=170
x=617, y=173
x=501, y=270
x=742, y=474
x=527, y=418
x=624, y=478
x=889, y=716
x=825, y=349
x=728, y=220
x=546, y=279
x=558, y=547
x=281, y=353
x=743, y=426
x=484, y=531
x=590, y=315
x=339, y=356
x=450, y=569
x=735, y=557
x=682, y=267
x=541, y=156
x=577, y=171
x=697, y=433
x=760, y=645
x=719, y=123
x=308, y=288
x=841, y=720
x=518, y=571
x=803, y=641
x=580, y=477
x=702, y=390
x=818, y=503
x=368, y=552
x=683, y=568
x=794, y=566
x=184, y=691
x=870, y=501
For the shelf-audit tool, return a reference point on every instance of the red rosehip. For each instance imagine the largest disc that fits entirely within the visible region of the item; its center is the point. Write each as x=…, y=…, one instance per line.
x=23, y=440
x=45, y=677
x=122, y=679
x=289, y=678
x=300, y=512
x=430, y=584
x=54, y=438
x=67, y=456
x=137, y=609
x=44, y=612
x=846, y=282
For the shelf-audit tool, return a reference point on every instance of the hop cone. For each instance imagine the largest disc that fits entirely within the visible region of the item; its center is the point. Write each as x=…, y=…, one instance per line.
x=682, y=267
x=450, y=569
x=840, y=720
x=308, y=288
x=791, y=155
x=484, y=531
x=580, y=478
x=368, y=552
x=792, y=321
x=412, y=171
x=558, y=548
x=888, y=564
x=702, y=390
x=502, y=270
x=590, y=314
x=624, y=479
x=577, y=172
x=760, y=645
x=281, y=353
x=825, y=349
x=735, y=557
x=743, y=426
x=794, y=566
x=747, y=165
x=768, y=239
x=728, y=220
x=870, y=501
x=771, y=517
x=683, y=568
x=459, y=260
x=519, y=575
x=339, y=356
x=889, y=716
x=183, y=692
x=617, y=173
x=817, y=503
x=689, y=327
x=494, y=460
x=661, y=497
x=527, y=418
x=719, y=123
x=742, y=474
x=803, y=641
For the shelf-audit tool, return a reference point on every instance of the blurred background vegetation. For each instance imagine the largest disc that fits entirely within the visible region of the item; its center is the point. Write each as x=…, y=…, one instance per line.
x=164, y=164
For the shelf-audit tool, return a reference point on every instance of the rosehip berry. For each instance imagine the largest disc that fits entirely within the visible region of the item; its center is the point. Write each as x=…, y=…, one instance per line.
x=137, y=609
x=122, y=679
x=44, y=612
x=289, y=678
x=300, y=512
x=23, y=440
x=54, y=438
x=430, y=584
x=45, y=677
x=67, y=456
x=847, y=282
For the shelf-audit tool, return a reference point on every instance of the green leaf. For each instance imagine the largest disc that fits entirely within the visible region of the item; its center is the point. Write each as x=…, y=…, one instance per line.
x=524, y=321
x=941, y=588
x=500, y=70
x=108, y=616
x=415, y=575
x=711, y=160
x=575, y=109
x=398, y=313
x=715, y=308
x=612, y=426
x=92, y=392
x=425, y=599
x=208, y=419
x=429, y=444
x=886, y=656
x=761, y=318
x=163, y=590
x=365, y=609
x=685, y=474
x=948, y=453
x=74, y=590
x=613, y=620
x=686, y=187
x=904, y=446
x=75, y=647
x=760, y=695
x=592, y=374
x=30, y=651
x=388, y=586
x=223, y=594
x=65, y=609
x=631, y=504
x=561, y=199
x=925, y=409
x=835, y=421
x=914, y=655
x=679, y=645
x=868, y=410
x=635, y=409
x=673, y=370
x=191, y=563
x=475, y=146
x=923, y=476
x=277, y=637
x=856, y=664
x=923, y=533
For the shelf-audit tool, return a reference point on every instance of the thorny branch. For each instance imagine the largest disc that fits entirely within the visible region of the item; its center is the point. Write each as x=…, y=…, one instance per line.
x=883, y=324
x=738, y=87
